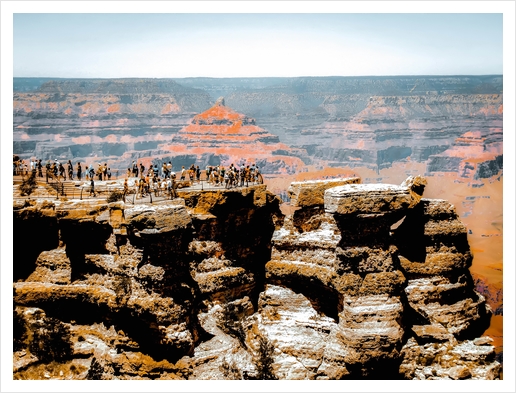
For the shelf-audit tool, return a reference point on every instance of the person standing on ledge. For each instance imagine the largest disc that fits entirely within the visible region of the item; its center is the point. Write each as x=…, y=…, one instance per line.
x=169, y=167
x=79, y=171
x=135, y=169
x=40, y=168
x=92, y=187
x=70, y=170
x=126, y=188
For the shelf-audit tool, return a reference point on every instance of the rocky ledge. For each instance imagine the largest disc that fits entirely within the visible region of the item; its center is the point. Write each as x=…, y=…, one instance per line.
x=362, y=281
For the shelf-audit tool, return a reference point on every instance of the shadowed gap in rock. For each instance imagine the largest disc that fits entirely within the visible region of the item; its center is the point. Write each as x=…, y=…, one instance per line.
x=324, y=300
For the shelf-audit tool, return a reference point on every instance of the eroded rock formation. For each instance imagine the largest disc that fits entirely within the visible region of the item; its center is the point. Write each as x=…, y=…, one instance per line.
x=113, y=120
x=371, y=122
x=361, y=281
x=232, y=137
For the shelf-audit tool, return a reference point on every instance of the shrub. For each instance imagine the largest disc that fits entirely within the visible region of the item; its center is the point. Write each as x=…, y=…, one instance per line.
x=230, y=370
x=115, y=196
x=122, y=288
x=230, y=322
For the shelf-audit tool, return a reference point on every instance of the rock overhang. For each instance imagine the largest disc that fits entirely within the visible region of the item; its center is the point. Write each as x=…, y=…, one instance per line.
x=311, y=193
x=157, y=218
x=368, y=199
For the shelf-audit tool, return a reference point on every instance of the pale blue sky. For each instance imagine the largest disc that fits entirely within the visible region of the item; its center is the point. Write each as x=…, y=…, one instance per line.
x=254, y=44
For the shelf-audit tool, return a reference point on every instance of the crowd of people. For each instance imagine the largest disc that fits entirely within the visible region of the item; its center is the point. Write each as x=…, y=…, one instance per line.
x=59, y=171
x=155, y=179
x=233, y=176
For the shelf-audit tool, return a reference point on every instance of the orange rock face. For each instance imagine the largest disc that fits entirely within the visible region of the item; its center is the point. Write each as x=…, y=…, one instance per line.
x=235, y=138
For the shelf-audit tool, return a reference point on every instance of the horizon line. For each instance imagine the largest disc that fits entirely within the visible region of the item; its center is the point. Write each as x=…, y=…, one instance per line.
x=257, y=77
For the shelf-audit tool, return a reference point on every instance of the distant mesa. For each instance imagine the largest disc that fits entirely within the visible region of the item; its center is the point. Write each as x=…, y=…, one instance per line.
x=477, y=154
x=234, y=138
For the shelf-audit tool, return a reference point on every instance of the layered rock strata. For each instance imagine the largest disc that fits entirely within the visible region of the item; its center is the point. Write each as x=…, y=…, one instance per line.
x=233, y=138
x=475, y=154
x=144, y=269
x=371, y=122
x=377, y=307
x=450, y=133
x=362, y=281
x=109, y=120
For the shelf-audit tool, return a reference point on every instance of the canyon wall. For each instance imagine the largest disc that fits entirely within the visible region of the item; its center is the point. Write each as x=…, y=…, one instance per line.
x=371, y=122
x=361, y=281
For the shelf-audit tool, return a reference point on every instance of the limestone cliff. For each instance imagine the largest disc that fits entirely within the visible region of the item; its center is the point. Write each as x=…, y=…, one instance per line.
x=362, y=281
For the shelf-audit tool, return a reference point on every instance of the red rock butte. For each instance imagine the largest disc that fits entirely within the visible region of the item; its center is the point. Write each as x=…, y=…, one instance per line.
x=235, y=138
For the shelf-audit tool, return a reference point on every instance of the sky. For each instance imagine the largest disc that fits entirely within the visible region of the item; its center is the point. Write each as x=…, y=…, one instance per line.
x=172, y=45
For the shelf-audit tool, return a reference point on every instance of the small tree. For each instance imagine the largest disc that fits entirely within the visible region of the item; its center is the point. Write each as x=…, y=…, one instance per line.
x=264, y=359
x=100, y=369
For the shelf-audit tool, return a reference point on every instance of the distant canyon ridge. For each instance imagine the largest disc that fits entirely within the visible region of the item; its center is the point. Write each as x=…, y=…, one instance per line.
x=451, y=124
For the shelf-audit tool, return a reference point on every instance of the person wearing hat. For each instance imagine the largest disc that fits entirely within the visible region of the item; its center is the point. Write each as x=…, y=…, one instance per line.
x=100, y=170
